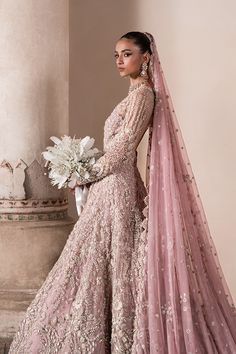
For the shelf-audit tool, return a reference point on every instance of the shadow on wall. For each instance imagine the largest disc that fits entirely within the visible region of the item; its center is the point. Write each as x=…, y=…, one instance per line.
x=95, y=86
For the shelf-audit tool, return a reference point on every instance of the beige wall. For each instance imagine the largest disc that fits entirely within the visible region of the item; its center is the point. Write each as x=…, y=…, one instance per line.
x=196, y=43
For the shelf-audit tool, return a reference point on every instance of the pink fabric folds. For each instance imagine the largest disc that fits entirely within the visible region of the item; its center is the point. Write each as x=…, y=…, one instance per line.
x=190, y=309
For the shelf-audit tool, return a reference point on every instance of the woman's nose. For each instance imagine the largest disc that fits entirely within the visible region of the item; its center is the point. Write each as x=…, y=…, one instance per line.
x=119, y=60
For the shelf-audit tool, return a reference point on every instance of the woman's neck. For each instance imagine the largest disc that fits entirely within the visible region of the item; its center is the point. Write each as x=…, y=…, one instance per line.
x=137, y=80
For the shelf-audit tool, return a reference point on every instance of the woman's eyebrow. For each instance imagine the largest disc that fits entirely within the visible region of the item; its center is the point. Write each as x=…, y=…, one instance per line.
x=124, y=50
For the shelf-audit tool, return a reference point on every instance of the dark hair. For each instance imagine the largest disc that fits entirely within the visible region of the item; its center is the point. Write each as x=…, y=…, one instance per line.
x=140, y=39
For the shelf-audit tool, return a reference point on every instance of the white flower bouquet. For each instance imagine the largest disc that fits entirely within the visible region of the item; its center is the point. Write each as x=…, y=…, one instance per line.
x=70, y=160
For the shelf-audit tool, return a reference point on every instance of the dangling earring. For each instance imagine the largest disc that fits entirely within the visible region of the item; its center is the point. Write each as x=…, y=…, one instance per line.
x=143, y=72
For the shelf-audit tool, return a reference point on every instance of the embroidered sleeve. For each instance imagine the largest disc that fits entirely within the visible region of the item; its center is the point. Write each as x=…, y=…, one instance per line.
x=136, y=120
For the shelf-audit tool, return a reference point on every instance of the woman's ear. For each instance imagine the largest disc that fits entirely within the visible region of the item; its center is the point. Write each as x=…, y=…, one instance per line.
x=146, y=57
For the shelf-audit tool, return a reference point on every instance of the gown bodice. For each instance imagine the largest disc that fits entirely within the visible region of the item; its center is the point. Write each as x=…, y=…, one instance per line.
x=123, y=131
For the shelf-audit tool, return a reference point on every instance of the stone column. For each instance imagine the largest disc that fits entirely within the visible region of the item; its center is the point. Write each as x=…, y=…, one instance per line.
x=33, y=106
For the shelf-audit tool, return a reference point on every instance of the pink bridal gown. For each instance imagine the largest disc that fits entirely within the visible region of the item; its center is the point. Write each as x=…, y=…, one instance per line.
x=93, y=300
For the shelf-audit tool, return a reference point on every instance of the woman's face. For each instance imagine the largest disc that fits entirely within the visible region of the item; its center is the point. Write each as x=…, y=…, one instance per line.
x=129, y=58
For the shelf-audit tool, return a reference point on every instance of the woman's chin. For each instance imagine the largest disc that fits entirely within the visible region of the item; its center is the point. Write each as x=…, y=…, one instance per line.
x=123, y=74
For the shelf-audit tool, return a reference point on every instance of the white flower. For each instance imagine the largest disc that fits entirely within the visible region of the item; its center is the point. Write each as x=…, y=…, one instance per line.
x=70, y=160
x=86, y=143
x=55, y=140
x=48, y=155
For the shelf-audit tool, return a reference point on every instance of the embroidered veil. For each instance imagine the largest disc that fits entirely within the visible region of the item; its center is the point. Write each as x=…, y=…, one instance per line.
x=190, y=309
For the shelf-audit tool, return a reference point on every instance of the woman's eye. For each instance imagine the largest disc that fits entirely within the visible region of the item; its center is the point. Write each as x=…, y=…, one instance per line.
x=116, y=56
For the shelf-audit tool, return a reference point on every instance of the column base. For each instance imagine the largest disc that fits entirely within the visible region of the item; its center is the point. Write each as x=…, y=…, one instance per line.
x=13, y=304
x=28, y=251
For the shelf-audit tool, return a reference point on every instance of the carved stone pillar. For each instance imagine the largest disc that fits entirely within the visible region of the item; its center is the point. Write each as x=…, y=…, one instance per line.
x=34, y=224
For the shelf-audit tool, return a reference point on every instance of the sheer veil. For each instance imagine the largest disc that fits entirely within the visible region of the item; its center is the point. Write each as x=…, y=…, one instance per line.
x=190, y=309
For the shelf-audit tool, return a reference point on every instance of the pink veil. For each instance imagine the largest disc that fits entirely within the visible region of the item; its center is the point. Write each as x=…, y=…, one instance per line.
x=190, y=309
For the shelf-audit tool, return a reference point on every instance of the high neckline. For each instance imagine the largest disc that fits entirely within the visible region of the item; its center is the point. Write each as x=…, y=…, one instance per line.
x=136, y=85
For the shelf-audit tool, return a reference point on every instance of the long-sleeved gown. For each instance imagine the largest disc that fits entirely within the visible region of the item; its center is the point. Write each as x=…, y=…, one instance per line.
x=92, y=300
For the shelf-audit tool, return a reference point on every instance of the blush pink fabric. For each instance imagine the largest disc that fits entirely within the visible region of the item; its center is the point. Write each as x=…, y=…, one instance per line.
x=190, y=309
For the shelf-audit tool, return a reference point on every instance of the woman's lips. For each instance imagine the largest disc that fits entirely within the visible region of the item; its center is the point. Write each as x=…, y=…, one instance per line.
x=120, y=69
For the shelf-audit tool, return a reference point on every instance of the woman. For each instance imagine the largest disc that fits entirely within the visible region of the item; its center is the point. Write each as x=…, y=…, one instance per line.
x=139, y=273
x=88, y=301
